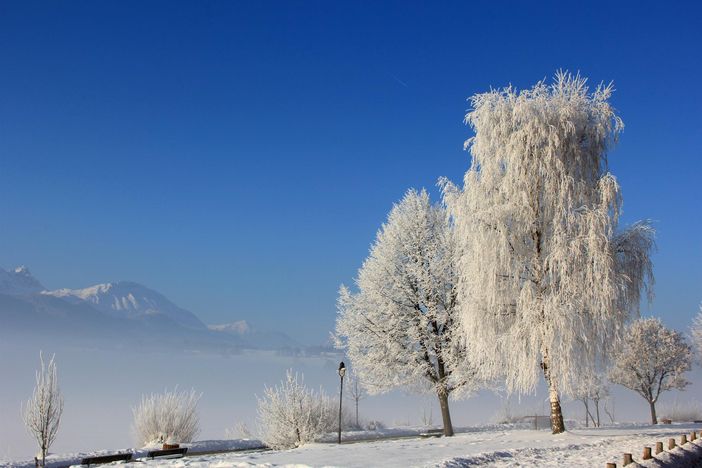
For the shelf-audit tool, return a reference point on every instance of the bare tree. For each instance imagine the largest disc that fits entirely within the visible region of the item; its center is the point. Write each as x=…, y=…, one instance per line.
x=168, y=417
x=42, y=413
x=652, y=360
x=355, y=392
x=544, y=287
x=591, y=388
x=609, y=409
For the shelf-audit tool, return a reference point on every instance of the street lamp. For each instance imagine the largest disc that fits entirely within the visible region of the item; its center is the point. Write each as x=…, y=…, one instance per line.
x=342, y=371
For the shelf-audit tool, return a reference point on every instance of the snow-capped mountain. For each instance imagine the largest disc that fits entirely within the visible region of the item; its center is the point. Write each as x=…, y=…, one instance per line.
x=255, y=338
x=240, y=327
x=18, y=282
x=125, y=299
x=121, y=313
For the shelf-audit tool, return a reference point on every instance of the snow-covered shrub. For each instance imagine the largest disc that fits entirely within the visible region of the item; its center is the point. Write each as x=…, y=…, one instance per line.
x=291, y=415
x=168, y=417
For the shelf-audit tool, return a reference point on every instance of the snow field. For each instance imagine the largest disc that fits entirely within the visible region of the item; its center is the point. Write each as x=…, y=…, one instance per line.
x=495, y=448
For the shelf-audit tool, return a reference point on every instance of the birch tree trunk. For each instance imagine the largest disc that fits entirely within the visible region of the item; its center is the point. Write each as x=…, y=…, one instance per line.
x=557, y=425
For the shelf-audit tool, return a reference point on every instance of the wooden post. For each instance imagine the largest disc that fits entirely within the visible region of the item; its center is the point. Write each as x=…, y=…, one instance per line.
x=659, y=447
x=647, y=453
x=671, y=444
x=683, y=439
x=627, y=459
x=693, y=436
x=611, y=465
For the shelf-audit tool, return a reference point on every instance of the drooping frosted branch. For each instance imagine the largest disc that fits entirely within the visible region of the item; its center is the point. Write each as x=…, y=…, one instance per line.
x=540, y=277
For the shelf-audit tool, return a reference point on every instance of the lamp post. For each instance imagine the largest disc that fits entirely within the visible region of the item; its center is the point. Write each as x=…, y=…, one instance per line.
x=342, y=371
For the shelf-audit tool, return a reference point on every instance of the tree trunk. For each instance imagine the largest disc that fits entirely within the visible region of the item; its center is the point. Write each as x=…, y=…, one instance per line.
x=357, y=426
x=557, y=425
x=445, y=414
x=597, y=410
x=587, y=414
x=654, y=420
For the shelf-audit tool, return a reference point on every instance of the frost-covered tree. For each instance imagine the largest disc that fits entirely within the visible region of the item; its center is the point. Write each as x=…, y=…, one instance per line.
x=168, y=417
x=652, y=360
x=42, y=413
x=398, y=329
x=291, y=415
x=545, y=283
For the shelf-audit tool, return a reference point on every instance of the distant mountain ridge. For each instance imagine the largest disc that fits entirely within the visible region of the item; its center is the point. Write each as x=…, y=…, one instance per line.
x=19, y=281
x=125, y=299
x=120, y=312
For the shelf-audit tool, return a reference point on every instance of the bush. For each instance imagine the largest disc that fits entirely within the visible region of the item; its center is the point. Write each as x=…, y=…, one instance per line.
x=169, y=417
x=291, y=415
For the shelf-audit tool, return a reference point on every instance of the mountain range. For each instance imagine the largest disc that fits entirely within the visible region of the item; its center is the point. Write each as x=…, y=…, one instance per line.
x=120, y=313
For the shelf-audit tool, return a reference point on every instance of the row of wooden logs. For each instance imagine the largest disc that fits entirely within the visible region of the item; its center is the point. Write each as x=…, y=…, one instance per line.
x=659, y=448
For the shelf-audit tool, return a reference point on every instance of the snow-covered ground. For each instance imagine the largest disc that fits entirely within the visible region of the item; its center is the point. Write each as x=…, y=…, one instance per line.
x=493, y=446
x=499, y=448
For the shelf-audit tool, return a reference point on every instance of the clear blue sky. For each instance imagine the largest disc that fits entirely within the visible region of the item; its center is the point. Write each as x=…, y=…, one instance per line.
x=240, y=156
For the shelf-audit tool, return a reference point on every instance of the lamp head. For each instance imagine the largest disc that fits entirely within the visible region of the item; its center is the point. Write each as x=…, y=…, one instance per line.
x=342, y=369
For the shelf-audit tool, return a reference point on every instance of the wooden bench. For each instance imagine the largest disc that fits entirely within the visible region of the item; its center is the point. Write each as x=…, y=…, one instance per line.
x=106, y=459
x=432, y=433
x=168, y=453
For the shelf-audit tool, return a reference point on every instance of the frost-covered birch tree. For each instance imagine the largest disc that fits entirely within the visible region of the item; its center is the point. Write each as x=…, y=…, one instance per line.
x=42, y=413
x=398, y=328
x=653, y=359
x=545, y=283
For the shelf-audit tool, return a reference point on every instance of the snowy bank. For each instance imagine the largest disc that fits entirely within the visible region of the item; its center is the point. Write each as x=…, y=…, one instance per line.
x=202, y=447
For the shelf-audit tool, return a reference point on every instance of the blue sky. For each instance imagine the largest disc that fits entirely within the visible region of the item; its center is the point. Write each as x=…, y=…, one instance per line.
x=240, y=156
